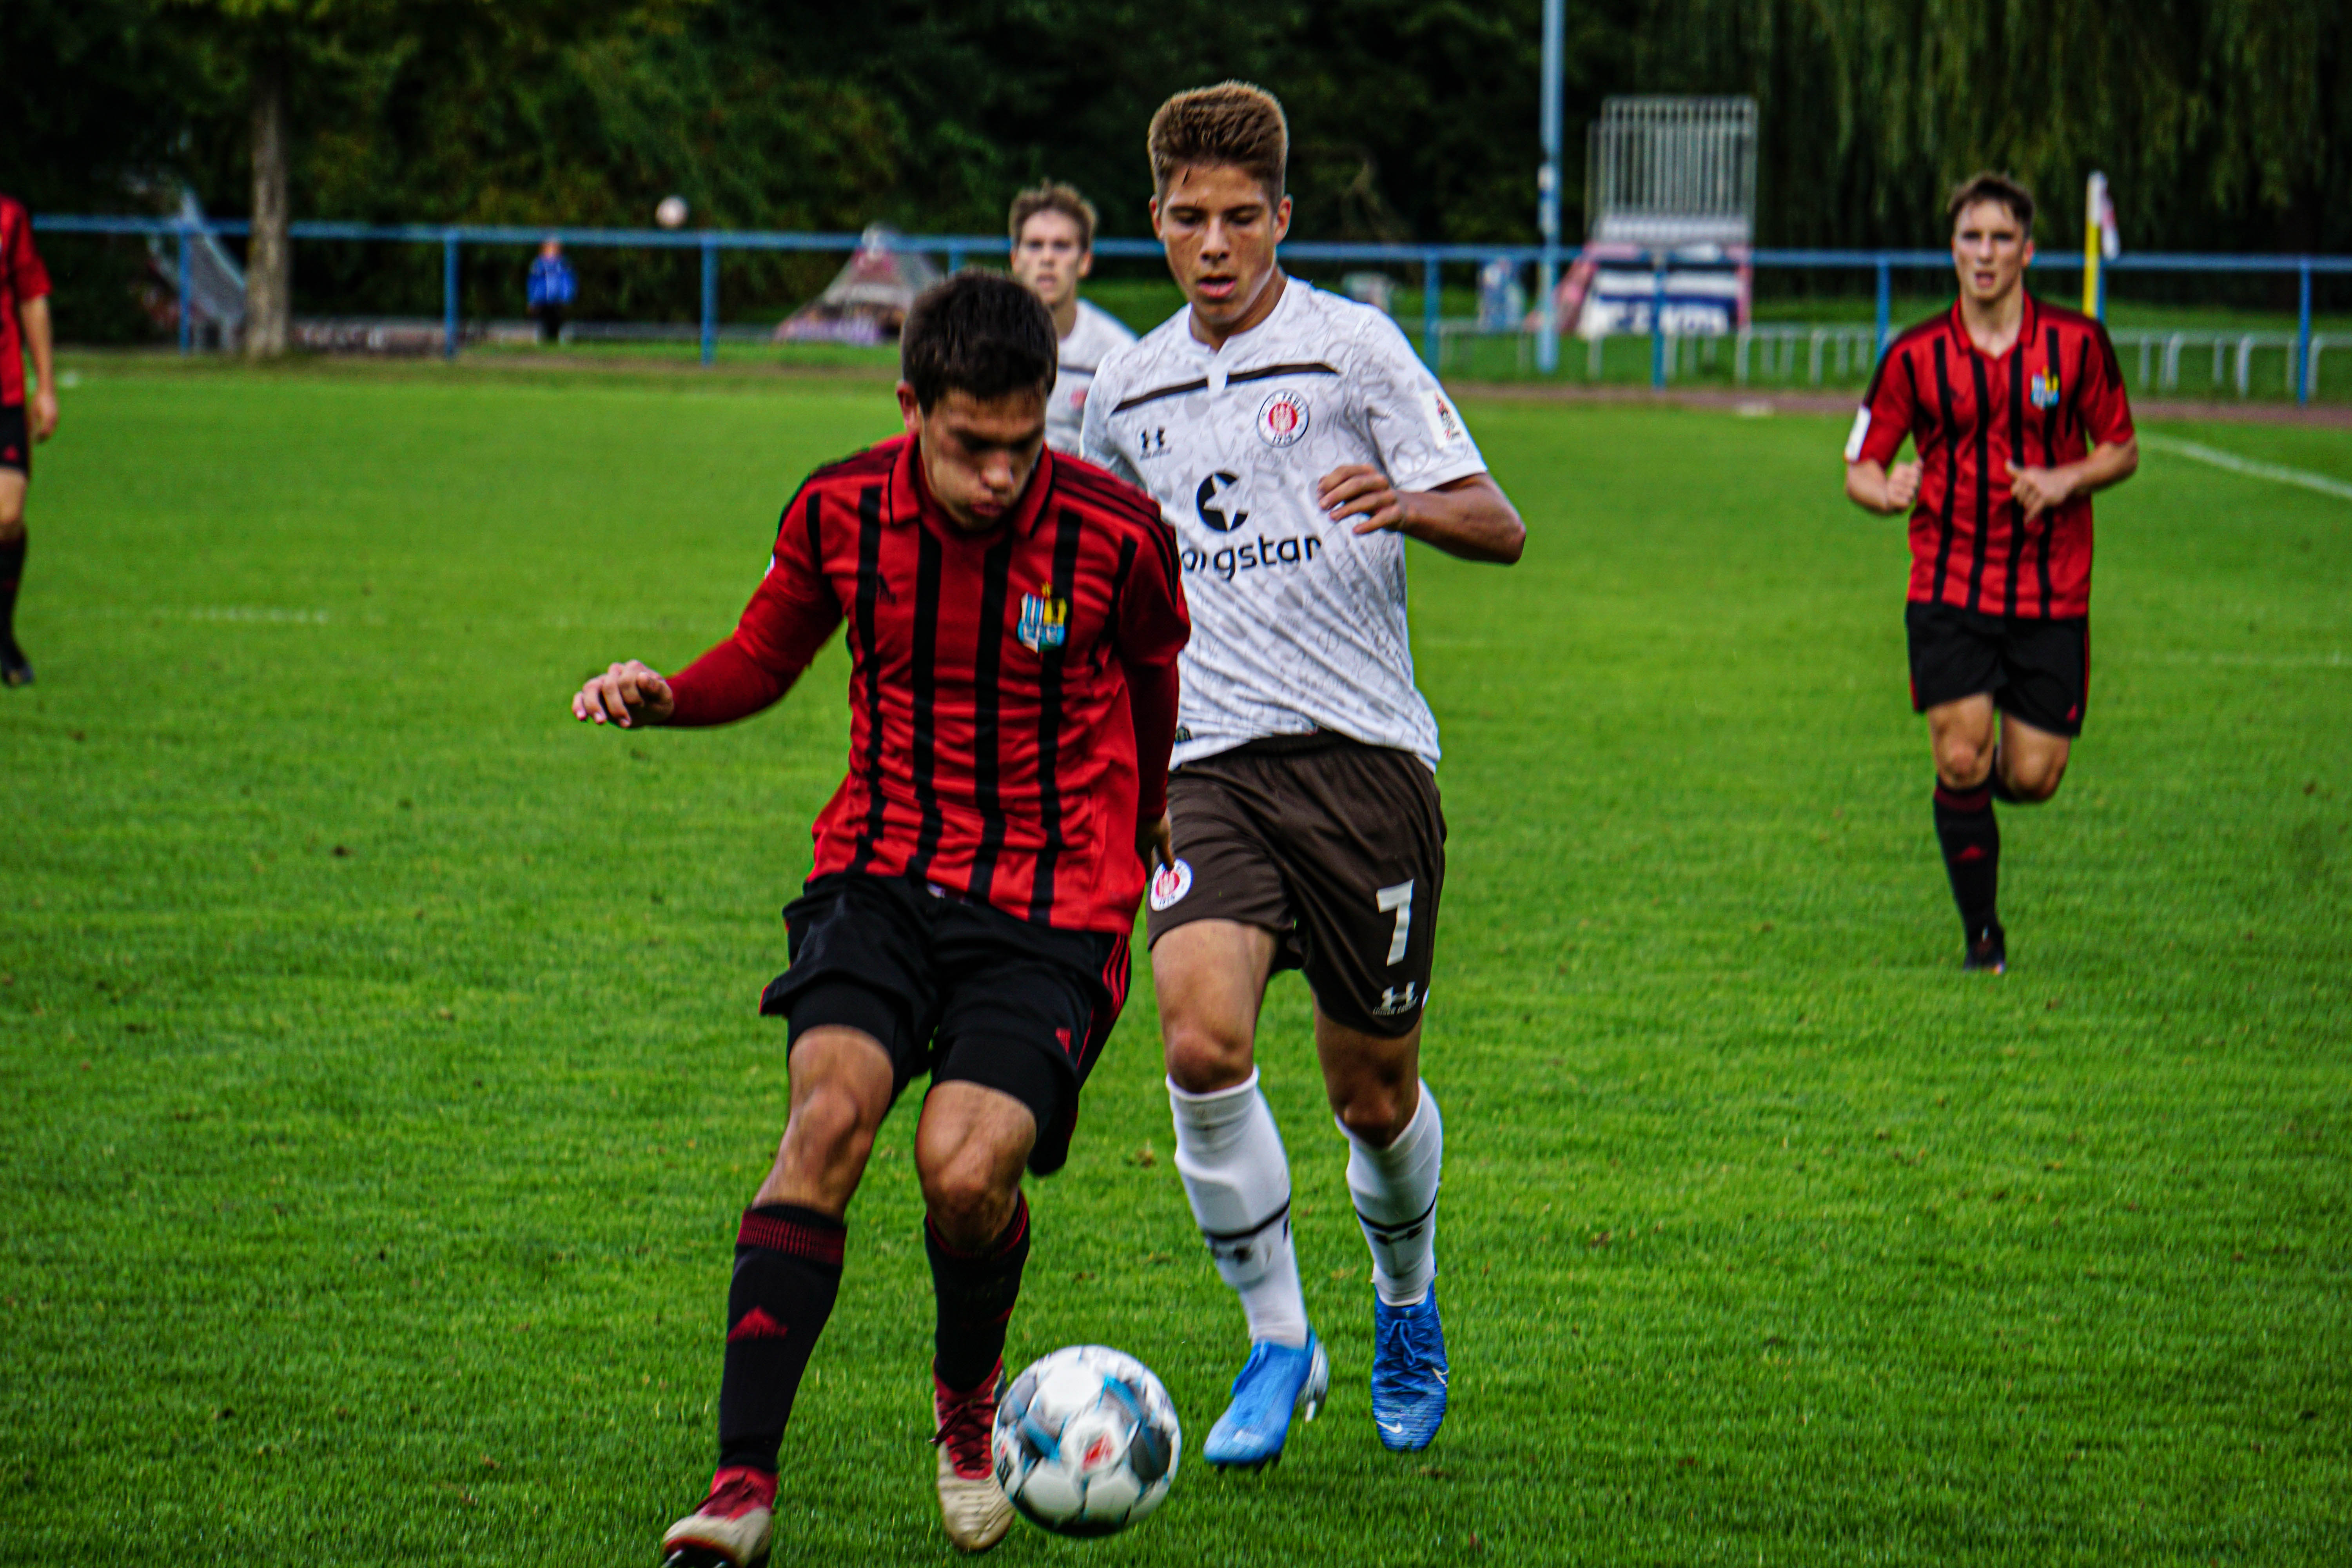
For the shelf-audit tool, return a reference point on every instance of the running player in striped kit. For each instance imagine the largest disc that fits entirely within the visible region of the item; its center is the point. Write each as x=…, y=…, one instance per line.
x=2017, y=413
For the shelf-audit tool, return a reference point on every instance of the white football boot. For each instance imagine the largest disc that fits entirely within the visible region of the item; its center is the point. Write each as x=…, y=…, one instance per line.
x=972, y=1507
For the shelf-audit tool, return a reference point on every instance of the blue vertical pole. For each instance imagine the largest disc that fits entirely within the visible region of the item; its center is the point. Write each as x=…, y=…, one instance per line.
x=1658, y=319
x=709, y=300
x=2303, y=334
x=187, y=308
x=1433, y=344
x=449, y=294
x=1885, y=300
x=1548, y=192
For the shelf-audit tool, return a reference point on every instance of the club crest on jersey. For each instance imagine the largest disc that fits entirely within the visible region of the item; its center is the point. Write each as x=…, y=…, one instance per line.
x=2044, y=392
x=1281, y=418
x=1170, y=884
x=1044, y=620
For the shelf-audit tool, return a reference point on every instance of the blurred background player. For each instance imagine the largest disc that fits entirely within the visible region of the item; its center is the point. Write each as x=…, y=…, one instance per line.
x=23, y=328
x=1293, y=440
x=550, y=289
x=2017, y=412
x=1053, y=247
x=1014, y=618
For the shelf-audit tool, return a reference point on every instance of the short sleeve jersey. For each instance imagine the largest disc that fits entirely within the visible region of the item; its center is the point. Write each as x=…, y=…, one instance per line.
x=2043, y=402
x=1094, y=338
x=1298, y=623
x=22, y=277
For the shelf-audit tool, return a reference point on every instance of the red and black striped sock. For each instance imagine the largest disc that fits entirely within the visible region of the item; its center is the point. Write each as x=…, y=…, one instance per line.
x=1972, y=841
x=12, y=572
x=787, y=1272
x=976, y=1292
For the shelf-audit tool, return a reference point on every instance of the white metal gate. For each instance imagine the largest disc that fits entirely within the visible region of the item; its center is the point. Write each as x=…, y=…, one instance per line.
x=1668, y=172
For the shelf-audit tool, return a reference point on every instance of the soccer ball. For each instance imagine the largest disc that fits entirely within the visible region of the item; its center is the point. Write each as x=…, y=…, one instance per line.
x=1086, y=1441
x=670, y=213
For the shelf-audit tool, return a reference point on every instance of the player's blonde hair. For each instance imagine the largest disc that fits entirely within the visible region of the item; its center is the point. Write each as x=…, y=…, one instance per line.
x=1232, y=123
x=1054, y=196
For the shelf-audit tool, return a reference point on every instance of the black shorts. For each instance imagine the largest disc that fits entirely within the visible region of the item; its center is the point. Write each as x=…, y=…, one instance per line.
x=960, y=990
x=15, y=439
x=1337, y=847
x=2036, y=670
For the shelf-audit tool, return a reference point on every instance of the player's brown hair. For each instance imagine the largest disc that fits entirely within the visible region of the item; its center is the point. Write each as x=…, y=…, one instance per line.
x=1054, y=196
x=978, y=332
x=1986, y=186
x=1230, y=124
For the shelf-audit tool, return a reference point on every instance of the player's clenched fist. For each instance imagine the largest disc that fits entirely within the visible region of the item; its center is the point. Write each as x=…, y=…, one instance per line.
x=627, y=694
x=1902, y=486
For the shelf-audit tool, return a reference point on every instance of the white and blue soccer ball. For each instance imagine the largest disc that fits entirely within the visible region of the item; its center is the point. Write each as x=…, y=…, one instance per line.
x=1086, y=1441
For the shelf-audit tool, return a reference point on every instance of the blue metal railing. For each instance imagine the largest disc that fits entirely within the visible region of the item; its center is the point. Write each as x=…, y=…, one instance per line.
x=955, y=249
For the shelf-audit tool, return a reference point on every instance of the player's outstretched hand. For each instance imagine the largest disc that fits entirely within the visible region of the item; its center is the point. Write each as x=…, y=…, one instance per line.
x=1157, y=843
x=1902, y=487
x=627, y=694
x=2038, y=489
x=45, y=415
x=1362, y=491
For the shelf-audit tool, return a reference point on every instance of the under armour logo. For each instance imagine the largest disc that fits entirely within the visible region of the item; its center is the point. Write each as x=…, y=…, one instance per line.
x=1152, y=443
x=1398, y=999
x=1217, y=487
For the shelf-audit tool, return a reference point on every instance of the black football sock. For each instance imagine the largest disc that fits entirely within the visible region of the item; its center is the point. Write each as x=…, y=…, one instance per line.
x=1972, y=841
x=787, y=1272
x=12, y=572
x=976, y=1293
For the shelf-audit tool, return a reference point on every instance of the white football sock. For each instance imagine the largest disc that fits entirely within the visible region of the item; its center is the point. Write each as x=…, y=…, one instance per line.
x=1395, y=1191
x=1238, y=1179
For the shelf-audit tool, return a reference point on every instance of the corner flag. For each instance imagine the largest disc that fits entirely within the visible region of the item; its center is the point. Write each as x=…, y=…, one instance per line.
x=2100, y=242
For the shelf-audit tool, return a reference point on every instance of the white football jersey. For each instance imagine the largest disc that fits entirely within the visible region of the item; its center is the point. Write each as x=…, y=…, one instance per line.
x=1094, y=337
x=1298, y=623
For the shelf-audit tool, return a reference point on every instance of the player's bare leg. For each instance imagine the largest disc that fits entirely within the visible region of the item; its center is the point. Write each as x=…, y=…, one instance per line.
x=787, y=1272
x=1209, y=977
x=970, y=1149
x=1396, y=1146
x=1983, y=755
x=16, y=670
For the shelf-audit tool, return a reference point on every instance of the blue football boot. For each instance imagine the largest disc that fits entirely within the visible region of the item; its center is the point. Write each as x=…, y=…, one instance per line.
x=1408, y=1373
x=1275, y=1383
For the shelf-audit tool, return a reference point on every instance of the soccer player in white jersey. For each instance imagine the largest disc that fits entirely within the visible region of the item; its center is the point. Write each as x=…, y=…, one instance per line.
x=1294, y=442
x=1053, y=247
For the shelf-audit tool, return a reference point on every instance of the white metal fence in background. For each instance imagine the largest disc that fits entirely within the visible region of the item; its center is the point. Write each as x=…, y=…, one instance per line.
x=1672, y=171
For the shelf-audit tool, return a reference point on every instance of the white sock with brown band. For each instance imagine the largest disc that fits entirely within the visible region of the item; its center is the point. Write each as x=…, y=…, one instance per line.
x=1395, y=1191
x=1238, y=1179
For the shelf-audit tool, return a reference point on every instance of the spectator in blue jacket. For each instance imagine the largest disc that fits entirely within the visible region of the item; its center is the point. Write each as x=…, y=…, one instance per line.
x=550, y=289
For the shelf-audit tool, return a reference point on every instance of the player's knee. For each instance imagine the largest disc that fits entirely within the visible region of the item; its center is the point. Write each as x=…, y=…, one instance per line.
x=967, y=1205
x=1202, y=1058
x=1961, y=763
x=2034, y=783
x=12, y=518
x=1373, y=1113
x=827, y=1132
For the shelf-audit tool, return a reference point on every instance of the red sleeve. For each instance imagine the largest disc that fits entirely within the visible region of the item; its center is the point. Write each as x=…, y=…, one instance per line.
x=1884, y=417
x=2106, y=408
x=1153, y=627
x=790, y=613
x=28, y=280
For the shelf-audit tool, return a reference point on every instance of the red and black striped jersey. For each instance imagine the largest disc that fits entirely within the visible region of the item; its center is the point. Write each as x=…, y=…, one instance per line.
x=22, y=277
x=1012, y=693
x=2057, y=391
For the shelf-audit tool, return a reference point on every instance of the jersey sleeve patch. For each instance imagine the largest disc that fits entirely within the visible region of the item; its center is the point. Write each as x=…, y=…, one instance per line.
x=1860, y=434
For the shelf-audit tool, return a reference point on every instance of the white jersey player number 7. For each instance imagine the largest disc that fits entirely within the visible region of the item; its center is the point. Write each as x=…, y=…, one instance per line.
x=1298, y=622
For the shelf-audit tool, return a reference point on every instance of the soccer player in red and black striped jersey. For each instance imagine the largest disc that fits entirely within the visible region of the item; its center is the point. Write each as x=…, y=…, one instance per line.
x=1013, y=620
x=2016, y=410
x=24, y=327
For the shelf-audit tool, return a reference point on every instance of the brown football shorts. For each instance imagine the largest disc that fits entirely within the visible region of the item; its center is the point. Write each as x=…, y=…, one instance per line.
x=1336, y=847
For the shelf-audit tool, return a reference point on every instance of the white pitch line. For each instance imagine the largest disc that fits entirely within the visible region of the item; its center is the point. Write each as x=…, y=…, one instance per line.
x=2248, y=466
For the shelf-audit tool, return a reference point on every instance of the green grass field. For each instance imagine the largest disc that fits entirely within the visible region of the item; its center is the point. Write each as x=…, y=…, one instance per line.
x=385, y=1082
